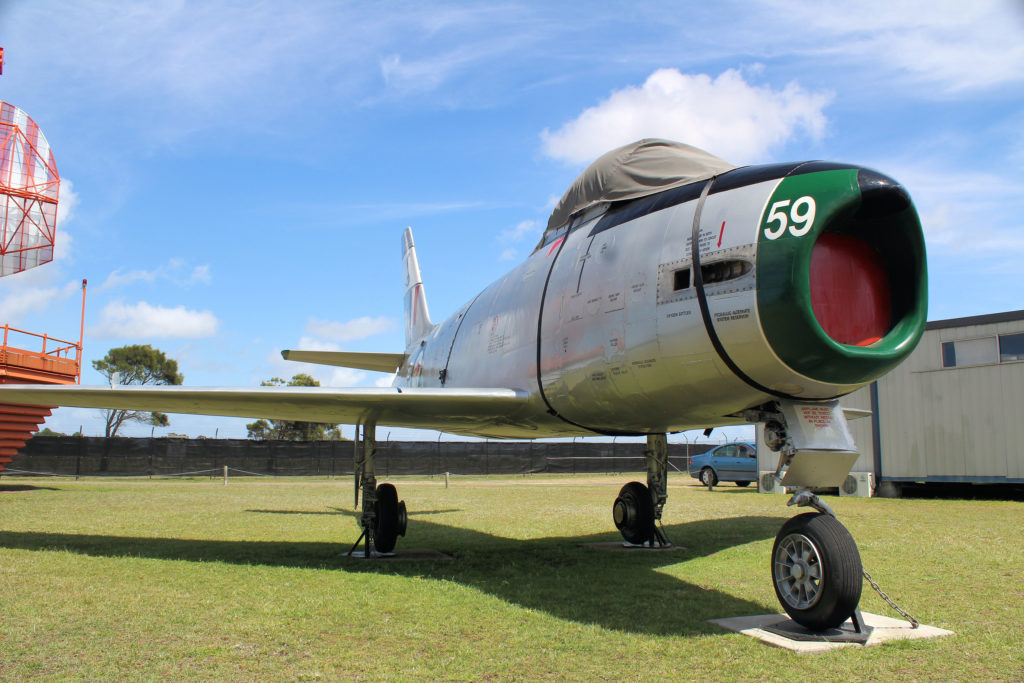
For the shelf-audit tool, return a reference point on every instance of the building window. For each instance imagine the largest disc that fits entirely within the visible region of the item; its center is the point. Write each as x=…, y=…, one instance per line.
x=965, y=352
x=1011, y=347
x=984, y=351
x=948, y=355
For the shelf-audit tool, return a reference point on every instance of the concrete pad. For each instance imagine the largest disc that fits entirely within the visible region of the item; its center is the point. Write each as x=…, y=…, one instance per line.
x=622, y=545
x=418, y=554
x=885, y=629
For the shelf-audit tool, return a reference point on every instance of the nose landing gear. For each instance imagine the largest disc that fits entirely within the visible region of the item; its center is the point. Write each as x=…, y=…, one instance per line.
x=815, y=565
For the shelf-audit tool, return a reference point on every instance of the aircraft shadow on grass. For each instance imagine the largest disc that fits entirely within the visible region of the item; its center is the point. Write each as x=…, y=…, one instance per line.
x=18, y=488
x=615, y=589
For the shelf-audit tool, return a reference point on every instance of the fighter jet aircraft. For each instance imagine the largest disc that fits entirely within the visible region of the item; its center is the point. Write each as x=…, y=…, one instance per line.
x=670, y=291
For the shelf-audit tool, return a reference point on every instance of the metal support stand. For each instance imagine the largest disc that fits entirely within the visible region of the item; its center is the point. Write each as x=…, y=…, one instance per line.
x=854, y=631
x=657, y=483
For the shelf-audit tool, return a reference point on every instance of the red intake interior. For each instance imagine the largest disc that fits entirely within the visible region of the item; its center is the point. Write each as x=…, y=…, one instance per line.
x=850, y=293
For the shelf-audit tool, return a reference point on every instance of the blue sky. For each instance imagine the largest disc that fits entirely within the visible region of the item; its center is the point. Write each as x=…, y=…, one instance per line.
x=237, y=176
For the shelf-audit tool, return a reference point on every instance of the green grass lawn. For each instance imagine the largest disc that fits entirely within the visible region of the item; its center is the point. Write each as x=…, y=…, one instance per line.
x=171, y=580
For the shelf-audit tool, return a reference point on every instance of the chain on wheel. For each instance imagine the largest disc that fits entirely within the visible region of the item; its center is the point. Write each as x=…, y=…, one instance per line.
x=914, y=623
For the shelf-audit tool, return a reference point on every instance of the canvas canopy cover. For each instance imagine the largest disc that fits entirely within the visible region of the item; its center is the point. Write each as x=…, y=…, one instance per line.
x=636, y=170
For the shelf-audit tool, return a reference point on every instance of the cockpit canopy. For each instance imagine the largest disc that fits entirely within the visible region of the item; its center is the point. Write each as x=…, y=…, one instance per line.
x=635, y=170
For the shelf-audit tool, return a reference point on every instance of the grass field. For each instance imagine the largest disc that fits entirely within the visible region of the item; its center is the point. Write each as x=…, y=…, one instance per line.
x=171, y=580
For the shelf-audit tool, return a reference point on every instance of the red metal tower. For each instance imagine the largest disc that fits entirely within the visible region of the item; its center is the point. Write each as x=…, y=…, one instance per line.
x=29, y=189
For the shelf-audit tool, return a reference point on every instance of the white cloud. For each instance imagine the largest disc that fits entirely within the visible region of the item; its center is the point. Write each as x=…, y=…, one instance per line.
x=949, y=45
x=513, y=236
x=357, y=328
x=200, y=274
x=222, y=61
x=519, y=233
x=67, y=201
x=963, y=212
x=27, y=297
x=66, y=205
x=343, y=377
x=385, y=381
x=173, y=271
x=726, y=116
x=118, y=319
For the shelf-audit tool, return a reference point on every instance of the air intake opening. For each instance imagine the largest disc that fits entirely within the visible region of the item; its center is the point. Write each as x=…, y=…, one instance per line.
x=850, y=292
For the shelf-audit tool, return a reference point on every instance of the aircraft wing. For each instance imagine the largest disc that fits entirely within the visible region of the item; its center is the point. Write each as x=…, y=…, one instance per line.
x=415, y=407
x=380, y=362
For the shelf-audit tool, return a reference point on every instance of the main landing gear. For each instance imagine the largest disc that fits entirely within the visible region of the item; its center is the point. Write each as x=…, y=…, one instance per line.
x=384, y=517
x=639, y=507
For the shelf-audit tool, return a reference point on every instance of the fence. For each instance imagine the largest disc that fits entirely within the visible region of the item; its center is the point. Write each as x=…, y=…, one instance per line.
x=98, y=456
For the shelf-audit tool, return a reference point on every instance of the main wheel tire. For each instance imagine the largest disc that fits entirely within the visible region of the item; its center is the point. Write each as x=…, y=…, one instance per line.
x=633, y=513
x=390, y=519
x=816, y=571
x=708, y=477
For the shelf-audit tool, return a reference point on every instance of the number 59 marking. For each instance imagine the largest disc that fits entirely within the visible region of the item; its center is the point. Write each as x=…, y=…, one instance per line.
x=800, y=214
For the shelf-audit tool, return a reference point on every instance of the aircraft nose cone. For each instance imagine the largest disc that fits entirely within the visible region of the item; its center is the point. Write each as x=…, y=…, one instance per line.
x=842, y=276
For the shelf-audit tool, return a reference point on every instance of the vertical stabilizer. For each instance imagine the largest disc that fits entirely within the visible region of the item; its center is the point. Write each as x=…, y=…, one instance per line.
x=417, y=318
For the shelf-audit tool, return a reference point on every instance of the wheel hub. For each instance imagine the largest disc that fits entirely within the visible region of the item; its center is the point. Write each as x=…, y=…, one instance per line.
x=798, y=571
x=621, y=513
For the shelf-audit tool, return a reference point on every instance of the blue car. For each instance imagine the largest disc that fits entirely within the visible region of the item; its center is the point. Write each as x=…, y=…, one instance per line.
x=729, y=462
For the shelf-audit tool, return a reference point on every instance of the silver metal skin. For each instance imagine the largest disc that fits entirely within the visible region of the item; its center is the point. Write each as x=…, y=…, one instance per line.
x=621, y=350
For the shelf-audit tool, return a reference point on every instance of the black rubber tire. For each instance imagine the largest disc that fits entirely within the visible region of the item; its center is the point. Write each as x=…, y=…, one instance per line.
x=633, y=513
x=389, y=523
x=743, y=484
x=707, y=474
x=836, y=560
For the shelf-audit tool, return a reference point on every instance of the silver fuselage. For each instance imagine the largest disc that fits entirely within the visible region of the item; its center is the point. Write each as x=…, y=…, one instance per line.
x=621, y=346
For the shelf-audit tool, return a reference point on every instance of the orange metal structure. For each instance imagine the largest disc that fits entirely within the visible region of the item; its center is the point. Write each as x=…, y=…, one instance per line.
x=29, y=191
x=30, y=358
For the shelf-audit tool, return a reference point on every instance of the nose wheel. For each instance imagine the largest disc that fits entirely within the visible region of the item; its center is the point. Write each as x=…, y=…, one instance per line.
x=816, y=571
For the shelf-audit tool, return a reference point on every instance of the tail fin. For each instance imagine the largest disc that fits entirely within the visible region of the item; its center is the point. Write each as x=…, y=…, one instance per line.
x=417, y=318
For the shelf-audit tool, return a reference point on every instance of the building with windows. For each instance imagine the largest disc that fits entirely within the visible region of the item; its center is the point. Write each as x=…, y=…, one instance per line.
x=951, y=413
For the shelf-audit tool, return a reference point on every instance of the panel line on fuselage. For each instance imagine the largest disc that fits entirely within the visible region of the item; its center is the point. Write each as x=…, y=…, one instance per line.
x=540, y=321
x=462, y=319
x=702, y=301
x=583, y=264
